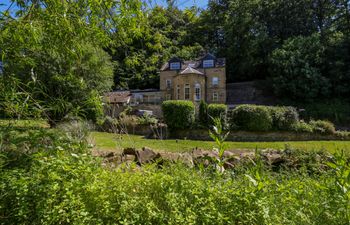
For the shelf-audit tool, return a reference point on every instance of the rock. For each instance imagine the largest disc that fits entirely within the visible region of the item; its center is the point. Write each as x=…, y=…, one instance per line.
x=128, y=158
x=146, y=155
x=129, y=151
x=273, y=157
x=187, y=159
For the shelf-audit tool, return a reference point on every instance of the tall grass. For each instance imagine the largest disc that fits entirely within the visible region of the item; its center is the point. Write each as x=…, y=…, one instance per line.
x=61, y=183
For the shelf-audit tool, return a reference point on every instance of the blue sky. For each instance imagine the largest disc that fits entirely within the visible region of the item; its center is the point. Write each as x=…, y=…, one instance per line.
x=181, y=3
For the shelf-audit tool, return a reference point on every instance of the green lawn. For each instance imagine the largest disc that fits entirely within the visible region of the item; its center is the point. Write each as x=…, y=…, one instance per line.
x=108, y=141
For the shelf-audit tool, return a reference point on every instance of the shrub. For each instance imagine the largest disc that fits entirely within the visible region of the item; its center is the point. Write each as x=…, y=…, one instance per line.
x=217, y=111
x=284, y=117
x=203, y=113
x=178, y=114
x=127, y=121
x=335, y=110
x=251, y=118
x=322, y=127
x=147, y=119
x=302, y=127
x=109, y=124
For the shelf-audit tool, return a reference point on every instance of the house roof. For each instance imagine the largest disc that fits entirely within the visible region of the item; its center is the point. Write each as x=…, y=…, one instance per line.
x=118, y=97
x=218, y=62
x=190, y=70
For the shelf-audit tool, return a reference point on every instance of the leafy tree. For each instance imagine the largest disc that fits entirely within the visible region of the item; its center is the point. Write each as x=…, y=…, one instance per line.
x=54, y=49
x=296, y=69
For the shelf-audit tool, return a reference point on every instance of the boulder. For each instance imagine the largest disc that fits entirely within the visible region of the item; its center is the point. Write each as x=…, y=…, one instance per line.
x=129, y=151
x=146, y=155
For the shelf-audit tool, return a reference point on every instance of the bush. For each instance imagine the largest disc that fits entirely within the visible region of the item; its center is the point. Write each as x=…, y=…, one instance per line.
x=217, y=111
x=147, y=119
x=203, y=114
x=302, y=127
x=109, y=124
x=178, y=114
x=335, y=110
x=322, y=127
x=76, y=189
x=284, y=117
x=251, y=118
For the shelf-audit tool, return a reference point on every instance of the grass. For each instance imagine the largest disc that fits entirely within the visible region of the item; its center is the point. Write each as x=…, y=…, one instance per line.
x=108, y=141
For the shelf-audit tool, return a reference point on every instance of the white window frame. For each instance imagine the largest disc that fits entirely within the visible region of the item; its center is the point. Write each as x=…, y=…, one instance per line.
x=168, y=83
x=208, y=63
x=215, y=96
x=175, y=66
x=215, y=81
x=197, y=92
x=187, y=86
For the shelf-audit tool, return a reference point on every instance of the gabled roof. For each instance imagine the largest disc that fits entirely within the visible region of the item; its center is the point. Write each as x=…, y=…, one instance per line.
x=190, y=70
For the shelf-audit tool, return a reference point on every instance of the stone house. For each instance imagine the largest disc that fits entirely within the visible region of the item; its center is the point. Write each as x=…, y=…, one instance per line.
x=203, y=79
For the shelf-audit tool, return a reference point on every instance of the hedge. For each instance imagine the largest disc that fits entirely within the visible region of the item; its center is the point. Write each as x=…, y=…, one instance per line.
x=203, y=113
x=322, y=127
x=178, y=114
x=251, y=118
x=217, y=111
x=283, y=118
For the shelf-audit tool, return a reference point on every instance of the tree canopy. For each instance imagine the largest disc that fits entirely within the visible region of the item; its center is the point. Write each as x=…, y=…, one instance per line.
x=66, y=54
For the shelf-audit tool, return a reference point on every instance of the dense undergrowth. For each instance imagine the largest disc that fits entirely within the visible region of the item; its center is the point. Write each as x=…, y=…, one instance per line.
x=49, y=177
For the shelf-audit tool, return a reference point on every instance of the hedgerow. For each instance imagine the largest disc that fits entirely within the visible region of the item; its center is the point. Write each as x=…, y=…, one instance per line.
x=251, y=118
x=178, y=114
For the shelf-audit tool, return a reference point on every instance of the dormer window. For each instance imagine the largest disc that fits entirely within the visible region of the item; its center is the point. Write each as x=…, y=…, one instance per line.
x=175, y=66
x=208, y=63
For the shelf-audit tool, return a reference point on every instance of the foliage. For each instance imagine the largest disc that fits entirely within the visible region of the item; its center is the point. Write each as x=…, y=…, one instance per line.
x=164, y=33
x=147, y=119
x=322, y=127
x=296, y=69
x=55, y=50
x=108, y=124
x=259, y=40
x=203, y=113
x=218, y=135
x=178, y=114
x=335, y=110
x=284, y=117
x=75, y=188
x=217, y=111
x=252, y=118
x=302, y=127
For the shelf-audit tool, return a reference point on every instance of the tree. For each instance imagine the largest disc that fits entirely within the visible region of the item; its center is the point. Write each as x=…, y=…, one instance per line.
x=296, y=69
x=54, y=49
